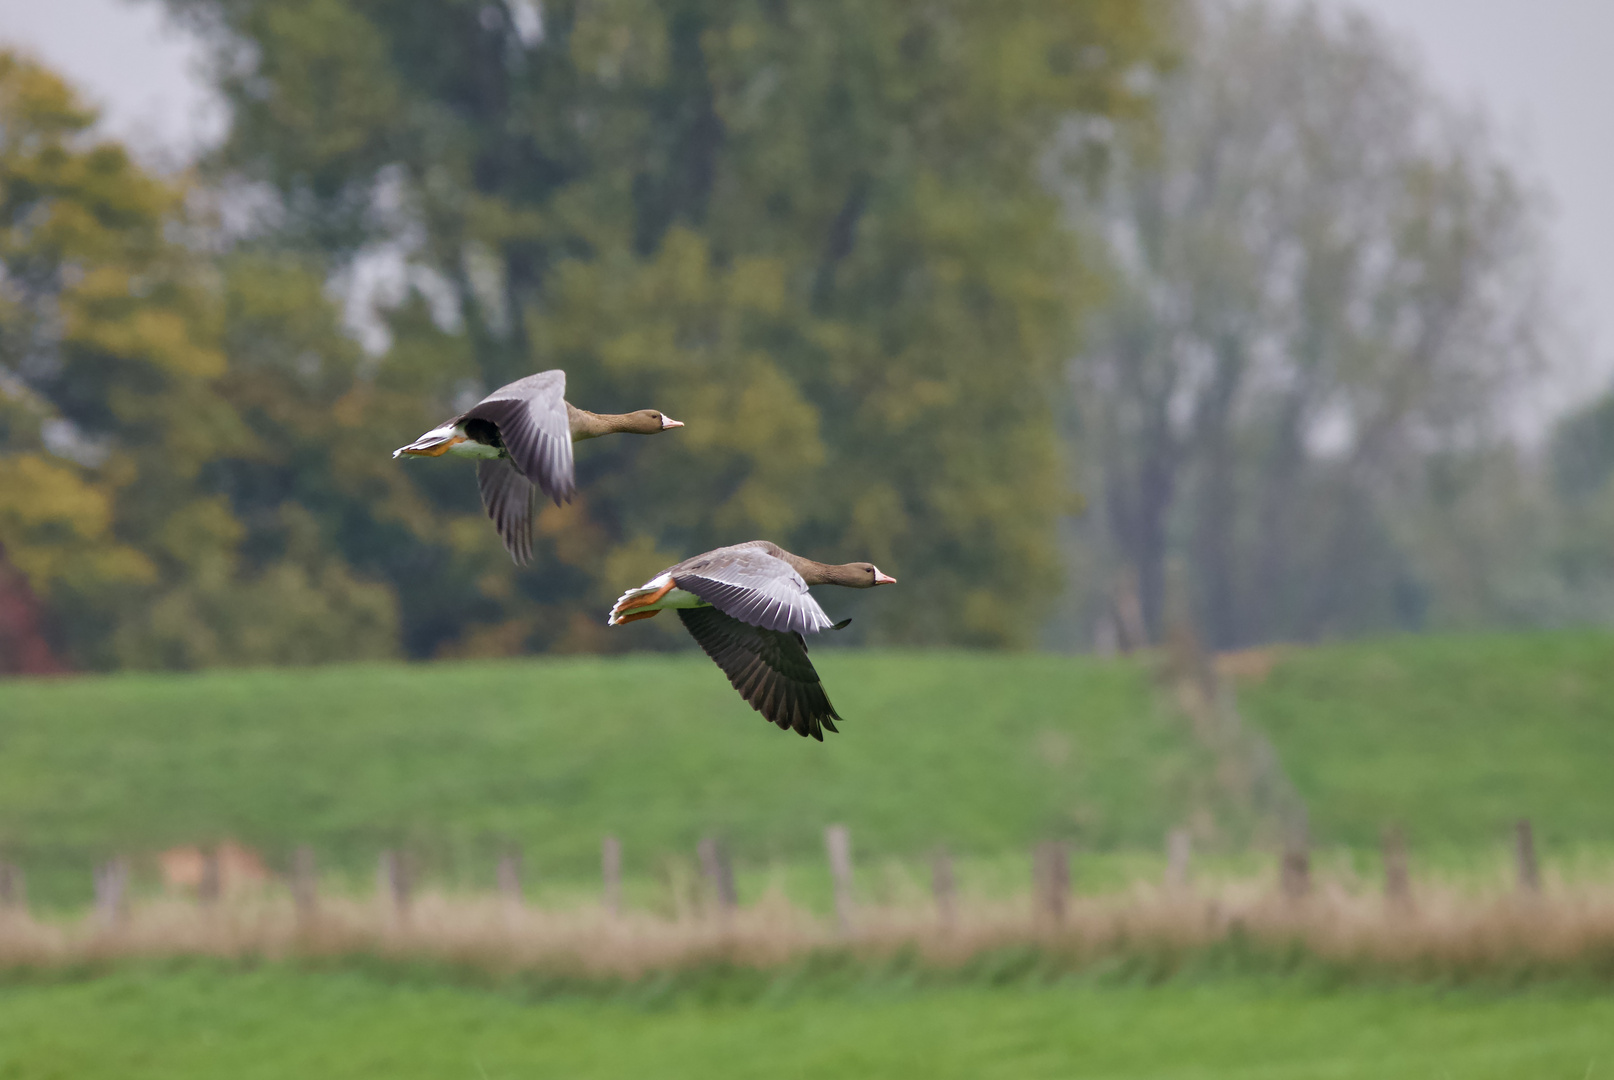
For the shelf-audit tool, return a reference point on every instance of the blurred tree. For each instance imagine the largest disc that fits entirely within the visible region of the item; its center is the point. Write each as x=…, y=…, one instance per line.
x=1582, y=458
x=1326, y=293
x=114, y=548
x=819, y=233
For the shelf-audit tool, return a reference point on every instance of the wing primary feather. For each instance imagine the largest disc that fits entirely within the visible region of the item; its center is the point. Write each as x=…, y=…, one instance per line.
x=769, y=669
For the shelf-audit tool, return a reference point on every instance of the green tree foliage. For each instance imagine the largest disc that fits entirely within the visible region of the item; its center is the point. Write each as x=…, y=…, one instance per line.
x=116, y=411
x=817, y=233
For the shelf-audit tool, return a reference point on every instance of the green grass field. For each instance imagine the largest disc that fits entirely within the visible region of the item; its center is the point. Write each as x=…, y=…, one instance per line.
x=1453, y=736
x=985, y=753
x=277, y=1022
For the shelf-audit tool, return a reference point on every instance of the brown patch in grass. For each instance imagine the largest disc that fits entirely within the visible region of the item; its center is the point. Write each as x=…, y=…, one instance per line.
x=1249, y=665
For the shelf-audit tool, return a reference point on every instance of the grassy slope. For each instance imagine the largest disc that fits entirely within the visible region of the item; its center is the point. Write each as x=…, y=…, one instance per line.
x=274, y=1022
x=1455, y=737
x=982, y=752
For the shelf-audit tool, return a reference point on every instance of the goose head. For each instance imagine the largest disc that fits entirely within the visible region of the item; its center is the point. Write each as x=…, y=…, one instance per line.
x=648, y=422
x=863, y=575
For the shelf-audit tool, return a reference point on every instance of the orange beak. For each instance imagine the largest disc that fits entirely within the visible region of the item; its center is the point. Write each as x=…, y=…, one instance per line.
x=884, y=579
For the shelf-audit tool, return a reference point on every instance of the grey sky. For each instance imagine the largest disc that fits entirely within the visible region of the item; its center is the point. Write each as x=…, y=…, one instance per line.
x=1539, y=67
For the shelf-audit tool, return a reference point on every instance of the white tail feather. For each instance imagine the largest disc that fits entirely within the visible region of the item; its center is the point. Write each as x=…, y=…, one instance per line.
x=633, y=594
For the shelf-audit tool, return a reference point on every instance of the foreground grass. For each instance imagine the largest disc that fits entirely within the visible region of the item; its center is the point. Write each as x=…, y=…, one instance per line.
x=277, y=1021
x=983, y=752
x=1454, y=737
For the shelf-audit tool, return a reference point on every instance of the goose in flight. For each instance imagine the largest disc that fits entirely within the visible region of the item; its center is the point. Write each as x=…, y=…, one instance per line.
x=747, y=606
x=521, y=436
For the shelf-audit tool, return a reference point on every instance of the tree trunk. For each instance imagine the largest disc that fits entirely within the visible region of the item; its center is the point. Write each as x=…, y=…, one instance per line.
x=1216, y=505
x=23, y=648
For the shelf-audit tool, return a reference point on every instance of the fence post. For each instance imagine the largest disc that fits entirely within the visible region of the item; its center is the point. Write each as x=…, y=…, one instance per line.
x=510, y=879
x=1397, y=881
x=611, y=871
x=1294, y=875
x=393, y=883
x=1050, y=873
x=209, y=886
x=304, y=885
x=1524, y=852
x=111, y=891
x=719, y=871
x=944, y=887
x=1179, y=849
x=838, y=843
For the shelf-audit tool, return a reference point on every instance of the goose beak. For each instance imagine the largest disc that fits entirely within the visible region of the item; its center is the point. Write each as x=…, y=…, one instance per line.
x=884, y=579
x=669, y=422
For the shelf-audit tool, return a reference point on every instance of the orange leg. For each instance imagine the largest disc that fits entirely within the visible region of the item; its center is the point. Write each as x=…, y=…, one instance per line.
x=641, y=615
x=646, y=601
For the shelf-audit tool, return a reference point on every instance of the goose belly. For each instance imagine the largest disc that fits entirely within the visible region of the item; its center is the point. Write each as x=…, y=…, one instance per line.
x=470, y=448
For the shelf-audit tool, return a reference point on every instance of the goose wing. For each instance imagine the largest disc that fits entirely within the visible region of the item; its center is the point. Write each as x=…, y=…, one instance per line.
x=769, y=668
x=754, y=585
x=531, y=417
x=509, y=499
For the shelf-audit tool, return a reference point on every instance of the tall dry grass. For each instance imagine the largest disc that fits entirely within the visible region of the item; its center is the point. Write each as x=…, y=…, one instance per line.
x=1442, y=933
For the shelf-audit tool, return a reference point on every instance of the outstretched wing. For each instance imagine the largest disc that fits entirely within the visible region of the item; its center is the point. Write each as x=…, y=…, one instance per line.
x=508, y=498
x=530, y=414
x=769, y=668
x=750, y=583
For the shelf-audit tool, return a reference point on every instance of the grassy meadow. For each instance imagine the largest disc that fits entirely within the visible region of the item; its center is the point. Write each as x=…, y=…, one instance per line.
x=280, y=1021
x=455, y=760
x=1453, y=737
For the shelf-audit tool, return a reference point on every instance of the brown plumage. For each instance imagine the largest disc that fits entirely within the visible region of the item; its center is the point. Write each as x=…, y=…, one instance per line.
x=522, y=436
x=747, y=606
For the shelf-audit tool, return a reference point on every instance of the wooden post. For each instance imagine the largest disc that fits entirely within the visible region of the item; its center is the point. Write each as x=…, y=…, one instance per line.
x=393, y=882
x=1050, y=874
x=304, y=885
x=111, y=891
x=510, y=879
x=1294, y=876
x=944, y=887
x=1397, y=881
x=1524, y=851
x=1179, y=850
x=838, y=843
x=719, y=872
x=209, y=887
x=611, y=870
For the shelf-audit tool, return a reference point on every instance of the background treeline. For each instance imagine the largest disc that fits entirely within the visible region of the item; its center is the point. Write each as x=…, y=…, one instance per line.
x=1218, y=315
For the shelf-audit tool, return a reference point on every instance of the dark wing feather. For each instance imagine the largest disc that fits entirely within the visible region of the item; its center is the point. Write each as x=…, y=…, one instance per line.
x=531, y=417
x=750, y=583
x=508, y=498
x=769, y=668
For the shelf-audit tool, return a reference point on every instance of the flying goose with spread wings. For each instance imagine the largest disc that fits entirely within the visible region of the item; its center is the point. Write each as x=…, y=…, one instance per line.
x=748, y=606
x=521, y=436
